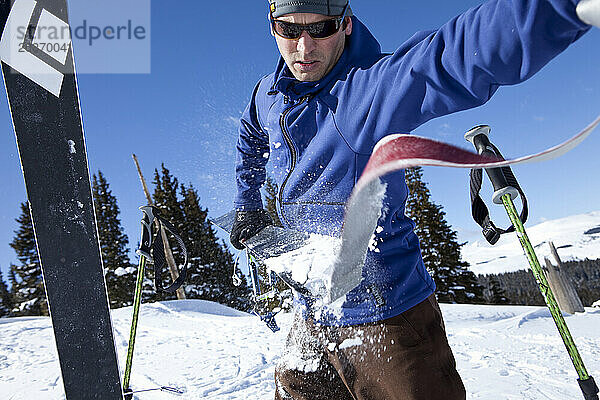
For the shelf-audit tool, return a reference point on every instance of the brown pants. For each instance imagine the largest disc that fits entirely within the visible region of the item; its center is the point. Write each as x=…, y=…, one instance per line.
x=406, y=357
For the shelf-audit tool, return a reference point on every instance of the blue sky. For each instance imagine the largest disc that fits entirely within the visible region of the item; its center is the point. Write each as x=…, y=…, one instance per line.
x=207, y=56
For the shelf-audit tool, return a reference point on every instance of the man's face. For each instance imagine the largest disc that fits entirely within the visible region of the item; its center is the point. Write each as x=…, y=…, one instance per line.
x=311, y=59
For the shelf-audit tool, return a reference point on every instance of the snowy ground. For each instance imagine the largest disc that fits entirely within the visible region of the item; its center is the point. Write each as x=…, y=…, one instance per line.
x=576, y=237
x=212, y=352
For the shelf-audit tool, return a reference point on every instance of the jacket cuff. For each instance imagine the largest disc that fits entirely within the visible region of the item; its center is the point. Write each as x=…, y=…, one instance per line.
x=248, y=202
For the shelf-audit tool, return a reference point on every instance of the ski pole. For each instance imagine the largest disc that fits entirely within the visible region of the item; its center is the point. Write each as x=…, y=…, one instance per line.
x=504, y=194
x=144, y=253
x=166, y=389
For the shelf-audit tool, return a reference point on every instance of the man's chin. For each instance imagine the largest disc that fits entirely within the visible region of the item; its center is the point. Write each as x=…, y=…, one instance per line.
x=308, y=76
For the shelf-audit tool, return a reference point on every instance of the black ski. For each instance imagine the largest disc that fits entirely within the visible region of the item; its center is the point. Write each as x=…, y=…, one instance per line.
x=42, y=93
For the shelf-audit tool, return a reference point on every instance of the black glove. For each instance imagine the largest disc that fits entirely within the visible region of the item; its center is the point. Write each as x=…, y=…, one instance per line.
x=248, y=224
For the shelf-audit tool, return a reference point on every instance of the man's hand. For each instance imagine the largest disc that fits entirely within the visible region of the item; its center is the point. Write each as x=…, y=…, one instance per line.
x=248, y=224
x=589, y=12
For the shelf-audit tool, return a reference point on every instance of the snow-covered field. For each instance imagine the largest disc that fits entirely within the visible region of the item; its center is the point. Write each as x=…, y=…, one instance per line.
x=212, y=352
x=576, y=237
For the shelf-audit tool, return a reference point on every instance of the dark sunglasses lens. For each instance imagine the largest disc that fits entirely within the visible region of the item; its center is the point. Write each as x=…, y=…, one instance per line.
x=322, y=29
x=287, y=30
x=318, y=30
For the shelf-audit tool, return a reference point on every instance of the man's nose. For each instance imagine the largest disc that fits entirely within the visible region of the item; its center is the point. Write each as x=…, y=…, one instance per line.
x=306, y=43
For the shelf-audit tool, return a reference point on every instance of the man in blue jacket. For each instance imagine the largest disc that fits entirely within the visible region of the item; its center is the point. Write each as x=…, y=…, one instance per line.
x=332, y=96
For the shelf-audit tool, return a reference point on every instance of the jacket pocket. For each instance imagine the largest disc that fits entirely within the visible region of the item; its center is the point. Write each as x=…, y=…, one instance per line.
x=403, y=331
x=422, y=322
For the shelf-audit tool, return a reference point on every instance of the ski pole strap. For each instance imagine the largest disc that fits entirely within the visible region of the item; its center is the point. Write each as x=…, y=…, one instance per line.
x=502, y=179
x=158, y=253
x=153, y=249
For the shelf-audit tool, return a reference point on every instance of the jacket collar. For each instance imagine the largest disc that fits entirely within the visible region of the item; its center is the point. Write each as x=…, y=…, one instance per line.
x=361, y=50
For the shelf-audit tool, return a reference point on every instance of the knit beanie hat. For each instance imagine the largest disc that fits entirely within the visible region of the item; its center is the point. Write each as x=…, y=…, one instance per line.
x=324, y=7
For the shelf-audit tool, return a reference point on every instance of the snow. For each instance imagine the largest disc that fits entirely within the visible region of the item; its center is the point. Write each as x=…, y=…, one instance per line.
x=576, y=238
x=328, y=266
x=350, y=343
x=213, y=352
x=120, y=271
x=306, y=361
x=308, y=264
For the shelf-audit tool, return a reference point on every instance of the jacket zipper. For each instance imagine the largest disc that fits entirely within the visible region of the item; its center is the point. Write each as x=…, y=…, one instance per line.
x=290, y=144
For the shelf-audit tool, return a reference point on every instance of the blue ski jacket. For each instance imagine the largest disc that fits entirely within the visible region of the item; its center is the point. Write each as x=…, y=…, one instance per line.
x=319, y=135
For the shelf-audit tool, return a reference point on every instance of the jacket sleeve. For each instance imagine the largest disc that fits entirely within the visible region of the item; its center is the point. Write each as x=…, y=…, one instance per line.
x=252, y=156
x=461, y=65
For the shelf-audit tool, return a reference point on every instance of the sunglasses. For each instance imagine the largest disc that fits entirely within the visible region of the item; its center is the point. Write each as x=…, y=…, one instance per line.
x=317, y=30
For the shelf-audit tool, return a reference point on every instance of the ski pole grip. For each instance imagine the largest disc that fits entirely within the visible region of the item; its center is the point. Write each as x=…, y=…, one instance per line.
x=478, y=136
x=147, y=223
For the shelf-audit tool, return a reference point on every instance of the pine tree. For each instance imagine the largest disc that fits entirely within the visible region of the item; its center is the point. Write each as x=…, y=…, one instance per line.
x=498, y=294
x=12, y=279
x=29, y=296
x=270, y=196
x=5, y=298
x=210, y=263
x=493, y=293
x=439, y=247
x=119, y=273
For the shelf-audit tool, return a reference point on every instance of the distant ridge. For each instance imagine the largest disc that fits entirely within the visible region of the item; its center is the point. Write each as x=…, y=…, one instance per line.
x=576, y=237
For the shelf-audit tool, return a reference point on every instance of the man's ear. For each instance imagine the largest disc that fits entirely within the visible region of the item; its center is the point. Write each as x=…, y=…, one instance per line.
x=348, y=29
